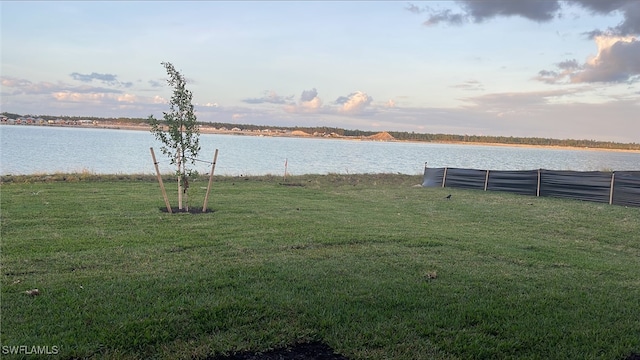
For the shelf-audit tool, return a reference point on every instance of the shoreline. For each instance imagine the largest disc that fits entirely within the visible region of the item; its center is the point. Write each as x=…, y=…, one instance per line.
x=208, y=130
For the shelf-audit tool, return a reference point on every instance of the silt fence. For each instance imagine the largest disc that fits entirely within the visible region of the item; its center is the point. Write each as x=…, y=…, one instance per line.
x=616, y=188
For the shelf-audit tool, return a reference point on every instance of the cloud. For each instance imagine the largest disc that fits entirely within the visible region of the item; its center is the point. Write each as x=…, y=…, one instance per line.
x=471, y=85
x=617, y=60
x=30, y=95
x=480, y=11
x=308, y=95
x=309, y=103
x=7, y=81
x=45, y=97
x=26, y=87
x=77, y=97
x=618, y=57
x=446, y=16
x=631, y=23
x=511, y=100
x=105, y=98
x=630, y=10
x=568, y=65
x=129, y=98
x=524, y=104
x=539, y=11
x=159, y=100
x=414, y=9
x=108, y=79
x=354, y=102
x=270, y=97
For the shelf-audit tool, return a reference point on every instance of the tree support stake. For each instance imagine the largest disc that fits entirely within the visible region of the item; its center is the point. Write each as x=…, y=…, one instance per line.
x=213, y=167
x=164, y=192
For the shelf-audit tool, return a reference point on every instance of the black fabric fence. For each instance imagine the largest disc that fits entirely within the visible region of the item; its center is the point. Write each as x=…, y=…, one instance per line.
x=626, y=189
x=617, y=188
x=519, y=182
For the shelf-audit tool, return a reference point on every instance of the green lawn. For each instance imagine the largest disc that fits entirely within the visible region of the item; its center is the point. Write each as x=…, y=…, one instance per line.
x=369, y=264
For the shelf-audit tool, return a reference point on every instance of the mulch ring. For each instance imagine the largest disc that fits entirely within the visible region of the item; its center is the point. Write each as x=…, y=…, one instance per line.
x=305, y=351
x=192, y=210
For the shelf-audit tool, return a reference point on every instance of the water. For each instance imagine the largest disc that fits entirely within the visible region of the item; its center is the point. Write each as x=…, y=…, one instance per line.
x=44, y=150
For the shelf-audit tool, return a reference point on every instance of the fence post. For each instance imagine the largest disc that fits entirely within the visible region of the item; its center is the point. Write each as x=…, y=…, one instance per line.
x=486, y=181
x=538, y=187
x=613, y=177
x=444, y=177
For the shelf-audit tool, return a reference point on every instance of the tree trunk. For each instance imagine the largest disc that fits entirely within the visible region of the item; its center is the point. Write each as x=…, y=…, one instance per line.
x=179, y=183
x=186, y=200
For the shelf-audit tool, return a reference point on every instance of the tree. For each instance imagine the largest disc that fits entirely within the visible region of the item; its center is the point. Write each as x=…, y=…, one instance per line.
x=180, y=140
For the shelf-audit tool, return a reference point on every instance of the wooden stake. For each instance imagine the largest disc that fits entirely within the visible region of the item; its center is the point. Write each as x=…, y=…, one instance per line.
x=444, y=177
x=164, y=192
x=613, y=178
x=284, y=178
x=538, y=187
x=206, y=196
x=486, y=181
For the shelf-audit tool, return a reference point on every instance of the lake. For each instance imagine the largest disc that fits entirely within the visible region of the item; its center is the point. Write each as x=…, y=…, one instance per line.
x=47, y=149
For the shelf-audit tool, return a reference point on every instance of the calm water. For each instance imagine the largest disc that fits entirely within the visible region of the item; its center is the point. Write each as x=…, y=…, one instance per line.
x=42, y=149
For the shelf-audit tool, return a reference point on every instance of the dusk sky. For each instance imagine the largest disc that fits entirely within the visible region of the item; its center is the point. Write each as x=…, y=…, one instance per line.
x=559, y=69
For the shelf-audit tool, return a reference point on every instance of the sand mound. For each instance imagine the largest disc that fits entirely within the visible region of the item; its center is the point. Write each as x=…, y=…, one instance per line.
x=299, y=133
x=383, y=136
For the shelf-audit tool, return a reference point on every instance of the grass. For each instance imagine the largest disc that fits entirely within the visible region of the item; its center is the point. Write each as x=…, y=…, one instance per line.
x=369, y=264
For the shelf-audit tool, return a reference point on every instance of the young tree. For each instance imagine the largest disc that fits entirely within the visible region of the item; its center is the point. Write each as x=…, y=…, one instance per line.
x=181, y=138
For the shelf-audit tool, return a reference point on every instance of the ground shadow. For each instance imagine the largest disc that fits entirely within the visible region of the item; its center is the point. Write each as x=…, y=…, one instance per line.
x=304, y=351
x=192, y=210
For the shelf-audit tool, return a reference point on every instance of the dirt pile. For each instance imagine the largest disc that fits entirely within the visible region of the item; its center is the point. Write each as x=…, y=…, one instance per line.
x=382, y=136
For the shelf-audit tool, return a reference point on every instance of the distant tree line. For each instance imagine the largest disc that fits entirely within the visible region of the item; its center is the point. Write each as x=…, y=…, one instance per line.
x=398, y=135
x=512, y=140
x=75, y=118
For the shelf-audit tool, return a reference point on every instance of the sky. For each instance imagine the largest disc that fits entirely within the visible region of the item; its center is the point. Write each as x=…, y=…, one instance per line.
x=528, y=68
